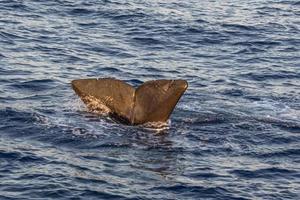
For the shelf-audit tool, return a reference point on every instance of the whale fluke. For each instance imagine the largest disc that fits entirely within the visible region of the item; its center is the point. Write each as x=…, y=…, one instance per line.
x=153, y=101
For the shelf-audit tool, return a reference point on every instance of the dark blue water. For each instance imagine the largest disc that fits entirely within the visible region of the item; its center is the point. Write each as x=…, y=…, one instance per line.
x=235, y=134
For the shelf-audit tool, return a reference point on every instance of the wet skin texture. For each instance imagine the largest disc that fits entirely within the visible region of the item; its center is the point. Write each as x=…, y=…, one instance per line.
x=153, y=101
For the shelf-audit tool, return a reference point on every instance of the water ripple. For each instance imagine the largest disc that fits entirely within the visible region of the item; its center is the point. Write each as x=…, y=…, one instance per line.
x=233, y=135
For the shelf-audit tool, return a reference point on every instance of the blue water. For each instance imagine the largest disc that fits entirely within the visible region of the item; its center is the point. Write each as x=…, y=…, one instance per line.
x=235, y=134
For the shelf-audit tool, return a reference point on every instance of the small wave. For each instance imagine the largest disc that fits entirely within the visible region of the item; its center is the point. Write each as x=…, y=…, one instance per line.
x=250, y=50
x=10, y=36
x=9, y=114
x=201, y=21
x=270, y=75
x=271, y=9
x=205, y=175
x=15, y=6
x=233, y=92
x=291, y=153
x=296, y=3
x=100, y=194
x=147, y=41
x=194, y=30
x=88, y=24
x=209, y=40
x=2, y=56
x=240, y=27
x=35, y=85
x=203, y=118
x=88, y=180
x=158, y=127
x=286, y=123
x=268, y=173
x=256, y=44
x=20, y=157
x=81, y=11
x=130, y=17
x=193, y=191
x=153, y=70
x=110, y=69
x=101, y=49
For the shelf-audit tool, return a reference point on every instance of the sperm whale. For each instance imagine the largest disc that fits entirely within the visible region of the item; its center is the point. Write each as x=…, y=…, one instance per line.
x=152, y=101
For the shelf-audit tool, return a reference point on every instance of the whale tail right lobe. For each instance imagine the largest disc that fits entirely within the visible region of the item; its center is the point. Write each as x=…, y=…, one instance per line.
x=155, y=100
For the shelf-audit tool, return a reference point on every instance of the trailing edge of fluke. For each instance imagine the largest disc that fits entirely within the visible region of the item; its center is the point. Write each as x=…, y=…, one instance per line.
x=153, y=101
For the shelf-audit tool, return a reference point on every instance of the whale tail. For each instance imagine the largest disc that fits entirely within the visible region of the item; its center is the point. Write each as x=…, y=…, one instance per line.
x=153, y=101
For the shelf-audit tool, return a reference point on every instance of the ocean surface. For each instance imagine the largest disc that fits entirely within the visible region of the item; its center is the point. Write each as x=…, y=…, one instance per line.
x=235, y=134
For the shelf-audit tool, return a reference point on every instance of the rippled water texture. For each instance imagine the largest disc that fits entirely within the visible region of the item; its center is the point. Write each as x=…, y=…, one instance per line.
x=235, y=134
